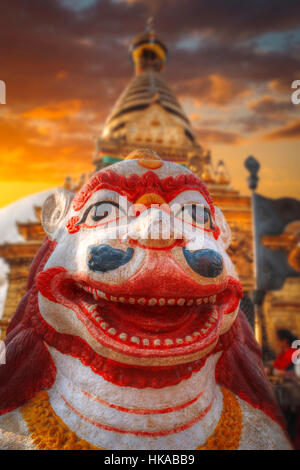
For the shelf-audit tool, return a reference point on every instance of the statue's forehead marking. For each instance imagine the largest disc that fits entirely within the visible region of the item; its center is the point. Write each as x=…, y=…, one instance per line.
x=135, y=186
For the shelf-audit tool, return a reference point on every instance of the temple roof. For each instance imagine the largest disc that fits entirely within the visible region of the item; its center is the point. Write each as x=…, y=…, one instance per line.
x=147, y=114
x=146, y=89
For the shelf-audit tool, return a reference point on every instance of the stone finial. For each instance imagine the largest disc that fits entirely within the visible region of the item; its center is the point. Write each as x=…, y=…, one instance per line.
x=208, y=174
x=222, y=175
x=253, y=167
x=68, y=183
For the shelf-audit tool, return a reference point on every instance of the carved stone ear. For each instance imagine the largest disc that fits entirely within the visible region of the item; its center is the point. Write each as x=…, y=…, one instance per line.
x=225, y=232
x=55, y=209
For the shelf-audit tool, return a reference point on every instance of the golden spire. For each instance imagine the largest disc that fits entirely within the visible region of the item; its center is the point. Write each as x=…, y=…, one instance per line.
x=147, y=114
x=149, y=25
x=148, y=51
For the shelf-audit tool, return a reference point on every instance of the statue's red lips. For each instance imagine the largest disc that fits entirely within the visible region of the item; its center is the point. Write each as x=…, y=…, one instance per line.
x=143, y=326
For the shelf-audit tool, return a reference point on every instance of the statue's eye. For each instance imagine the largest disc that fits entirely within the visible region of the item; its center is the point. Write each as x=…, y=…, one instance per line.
x=105, y=211
x=195, y=214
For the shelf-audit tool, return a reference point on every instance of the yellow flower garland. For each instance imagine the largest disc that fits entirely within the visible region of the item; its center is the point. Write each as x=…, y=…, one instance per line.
x=228, y=432
x=49, y=432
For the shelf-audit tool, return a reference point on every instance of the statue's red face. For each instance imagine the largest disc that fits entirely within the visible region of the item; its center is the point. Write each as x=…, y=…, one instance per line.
x=140, y=269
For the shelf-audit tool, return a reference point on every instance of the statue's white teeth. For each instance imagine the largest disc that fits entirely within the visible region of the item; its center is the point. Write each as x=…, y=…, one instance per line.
x=209, y=320
x=157, y=342
x=161, y=301
x=95, y=314
x=91, y=308
x=95, y=294
x=135, y=339
x=168, y=342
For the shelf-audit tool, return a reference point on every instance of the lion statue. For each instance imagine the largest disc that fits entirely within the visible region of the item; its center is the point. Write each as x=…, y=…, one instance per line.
x=130, y=334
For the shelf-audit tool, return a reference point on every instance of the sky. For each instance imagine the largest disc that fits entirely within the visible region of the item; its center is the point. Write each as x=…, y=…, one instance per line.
x=231, y=65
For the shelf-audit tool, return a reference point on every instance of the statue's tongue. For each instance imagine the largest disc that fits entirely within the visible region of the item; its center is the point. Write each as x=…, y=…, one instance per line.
x=157, y=320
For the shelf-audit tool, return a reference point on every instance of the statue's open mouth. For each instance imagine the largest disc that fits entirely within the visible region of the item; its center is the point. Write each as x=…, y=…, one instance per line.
x=143, y=326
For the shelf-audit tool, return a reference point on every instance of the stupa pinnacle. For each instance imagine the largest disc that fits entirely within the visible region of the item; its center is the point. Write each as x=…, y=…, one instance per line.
x=147, y=114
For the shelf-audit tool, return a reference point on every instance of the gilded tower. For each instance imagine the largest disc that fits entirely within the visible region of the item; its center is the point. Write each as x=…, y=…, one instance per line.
x=147, y=114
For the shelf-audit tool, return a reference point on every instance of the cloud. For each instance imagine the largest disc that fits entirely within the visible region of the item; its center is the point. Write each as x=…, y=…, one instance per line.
x=230, y=19
x=289, y=131
x=214, y=89
x=65, y=66
x=266, y=112
x=255, y=122
x=209, y=136
x=268, y=106
x=54, y=111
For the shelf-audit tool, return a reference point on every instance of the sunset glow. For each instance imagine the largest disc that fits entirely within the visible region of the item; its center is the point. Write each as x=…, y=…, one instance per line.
x=65, y=63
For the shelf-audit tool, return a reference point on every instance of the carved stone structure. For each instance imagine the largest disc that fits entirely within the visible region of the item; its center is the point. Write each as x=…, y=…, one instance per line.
x=130, y=334
x=19, y=257
x=282, y=307
x=147, y=114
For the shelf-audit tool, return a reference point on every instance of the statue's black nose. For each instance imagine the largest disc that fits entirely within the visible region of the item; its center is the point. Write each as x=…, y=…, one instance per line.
x=207, y=263
x=104, y=258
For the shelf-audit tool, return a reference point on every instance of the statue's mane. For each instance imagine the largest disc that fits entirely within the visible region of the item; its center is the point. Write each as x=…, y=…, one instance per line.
x=30, y=369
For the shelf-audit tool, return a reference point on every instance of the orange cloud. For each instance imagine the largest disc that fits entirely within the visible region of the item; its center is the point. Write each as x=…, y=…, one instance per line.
x=55, y=111
x=214, y=90
x=271, y=107
x=290, y=131
x=210, y=136
x=279, y=86
x=223, y=90
x=61, y=75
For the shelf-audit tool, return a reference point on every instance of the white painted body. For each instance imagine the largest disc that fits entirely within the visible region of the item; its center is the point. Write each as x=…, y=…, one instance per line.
x=259, y=431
